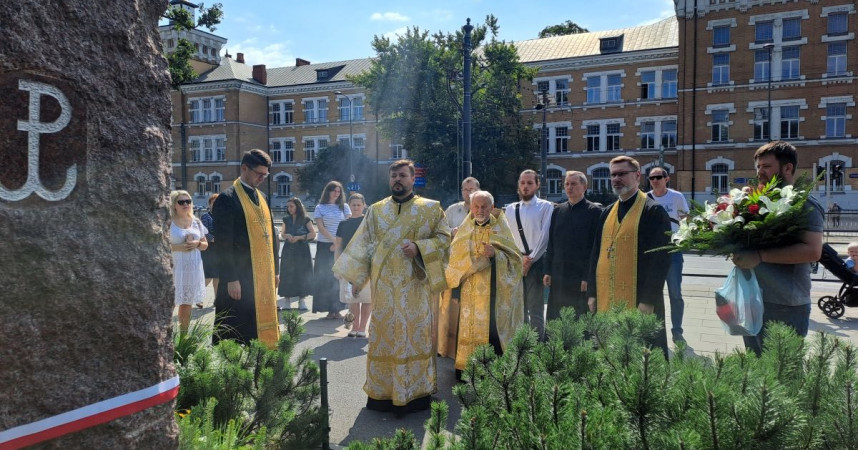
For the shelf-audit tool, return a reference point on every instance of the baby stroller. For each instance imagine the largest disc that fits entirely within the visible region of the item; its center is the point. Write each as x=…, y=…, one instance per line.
x=835, y=307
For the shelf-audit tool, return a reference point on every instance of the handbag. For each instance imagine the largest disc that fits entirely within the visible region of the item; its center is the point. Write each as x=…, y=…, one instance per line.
x=739, y=303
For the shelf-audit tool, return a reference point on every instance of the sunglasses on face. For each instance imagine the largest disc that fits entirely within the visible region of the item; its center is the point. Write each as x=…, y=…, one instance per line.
x=184, y=202
x=656, y=177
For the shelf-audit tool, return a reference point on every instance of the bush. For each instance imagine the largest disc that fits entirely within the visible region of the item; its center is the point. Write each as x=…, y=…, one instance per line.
x=611, y=391
x=243, y=392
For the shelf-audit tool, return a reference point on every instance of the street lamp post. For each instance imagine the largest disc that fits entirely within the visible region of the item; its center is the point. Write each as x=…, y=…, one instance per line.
x=543, y=144
x=769, y=47
x=351, y=136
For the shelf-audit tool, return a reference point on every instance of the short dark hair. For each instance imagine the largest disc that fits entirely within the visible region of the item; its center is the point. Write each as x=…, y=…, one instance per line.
x=663, y=169
x=784, y=152
x=357, y=196
x=396, y=165
x=255, y=158
x=529, y=172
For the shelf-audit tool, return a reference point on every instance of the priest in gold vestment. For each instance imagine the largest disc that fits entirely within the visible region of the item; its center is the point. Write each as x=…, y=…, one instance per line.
x=485, y=263
x=399, y=251
x=622, y=269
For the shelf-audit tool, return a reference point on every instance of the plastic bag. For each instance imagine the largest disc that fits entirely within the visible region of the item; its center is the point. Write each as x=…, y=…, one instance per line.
x=739, y=303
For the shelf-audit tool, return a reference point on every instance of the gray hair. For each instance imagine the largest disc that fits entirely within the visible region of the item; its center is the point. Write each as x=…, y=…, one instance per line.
x=581, y=177
x=483, y=194
x=471, y=179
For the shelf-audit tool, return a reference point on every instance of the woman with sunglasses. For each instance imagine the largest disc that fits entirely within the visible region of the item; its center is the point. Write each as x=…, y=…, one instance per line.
x=187, y=240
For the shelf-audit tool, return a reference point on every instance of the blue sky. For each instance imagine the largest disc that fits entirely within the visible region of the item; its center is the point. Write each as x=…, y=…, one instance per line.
x=274, y=33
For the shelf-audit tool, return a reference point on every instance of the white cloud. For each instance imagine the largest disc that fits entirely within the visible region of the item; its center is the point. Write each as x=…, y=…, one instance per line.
x=392, y=35
x=273, y=55
x=389, y=17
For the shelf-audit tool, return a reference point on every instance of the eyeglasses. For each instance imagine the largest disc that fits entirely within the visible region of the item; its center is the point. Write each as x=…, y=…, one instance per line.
x=622, y=174
x=184, y=202
x=656, y=177
x=258, y=173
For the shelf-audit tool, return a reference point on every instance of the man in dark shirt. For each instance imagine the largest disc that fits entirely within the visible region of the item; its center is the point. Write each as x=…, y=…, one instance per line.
x=573, y=227
x=621, y=270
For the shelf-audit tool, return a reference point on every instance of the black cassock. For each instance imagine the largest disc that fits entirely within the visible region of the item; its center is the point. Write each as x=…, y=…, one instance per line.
x=236, y=319
x=567, y=259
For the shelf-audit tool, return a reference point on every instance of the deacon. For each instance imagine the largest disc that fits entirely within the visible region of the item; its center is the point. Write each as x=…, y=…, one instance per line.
x=570, y=242
x=486, y=264
x=622, y=271
x=400, y=251
x=246, y=299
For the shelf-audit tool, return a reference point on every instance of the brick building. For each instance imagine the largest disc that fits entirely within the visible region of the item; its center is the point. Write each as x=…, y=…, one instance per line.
x=690, y=92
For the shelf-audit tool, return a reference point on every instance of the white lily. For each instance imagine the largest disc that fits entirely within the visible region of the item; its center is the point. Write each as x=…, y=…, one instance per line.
x=777, y=207
x=684, y=232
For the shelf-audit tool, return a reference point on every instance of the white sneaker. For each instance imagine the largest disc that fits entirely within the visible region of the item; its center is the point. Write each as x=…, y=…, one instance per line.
x=302, y=305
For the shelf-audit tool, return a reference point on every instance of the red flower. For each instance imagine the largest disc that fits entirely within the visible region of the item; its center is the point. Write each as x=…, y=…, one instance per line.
x=722, y=206
x=754, y=209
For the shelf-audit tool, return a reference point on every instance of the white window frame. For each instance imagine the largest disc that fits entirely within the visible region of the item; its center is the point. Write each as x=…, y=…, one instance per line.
x=601, y=91
x=720, y=70
x=603, y=133
x=200, y=152
x=315, y=109
x=316, y=147
x=600, y=183
x=398, y=151
x=658, y=130
x=277, y=191
x=847, y=100
x=774, y=132
x=284, y=114
x=839, y=60
x=731, y=166
x=555, y=184
x=555, y=93
x=207, y=109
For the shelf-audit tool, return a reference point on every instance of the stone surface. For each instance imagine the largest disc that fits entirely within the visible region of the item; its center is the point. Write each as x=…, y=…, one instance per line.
x=85, y=271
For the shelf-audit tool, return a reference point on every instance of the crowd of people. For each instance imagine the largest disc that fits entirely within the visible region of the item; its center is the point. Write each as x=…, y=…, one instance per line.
x=444, y=283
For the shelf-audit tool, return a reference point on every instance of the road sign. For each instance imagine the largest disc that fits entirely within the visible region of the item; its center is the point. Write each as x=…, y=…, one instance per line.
x=353, y=186
x=740, y=180
x=419, y=182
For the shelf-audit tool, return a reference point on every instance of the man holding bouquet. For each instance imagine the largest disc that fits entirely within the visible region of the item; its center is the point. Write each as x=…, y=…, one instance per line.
x=784, y=272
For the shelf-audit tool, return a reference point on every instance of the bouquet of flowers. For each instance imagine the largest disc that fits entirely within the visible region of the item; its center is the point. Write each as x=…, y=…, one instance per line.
x=752, y=217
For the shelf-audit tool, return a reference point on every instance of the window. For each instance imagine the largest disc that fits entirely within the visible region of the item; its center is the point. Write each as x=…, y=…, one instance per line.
x=836, y=59
x=762, y=69
x=721, y=36
x=275, y=149
x=281, y=113
x=397, y=151
x=720, y=178
x=720, y=125
x=836, y=177
x=215, y=180
x=201, y=185
x=194, y=148
x=601, y=179
x=357, y=108
x=838, y=23
x=208, y=149
x=309, y=151
x=208, y=109
x=316, y=110
x=791, y=29
x=790, y=63
x=543, y=86
x=594, y=90
x=220, y=149
x=835, y=120
x=611, y=45
x=761, y=124
x=561, y=139
x=345, y=107
x=648, y=85
x=668, y=134
x=763, y=32
x=593, y=138
x=284, y=185
x=647, y=135
x=789, y=122
x=614, y=88
x=613, y=136
x=358, y=143
x=561, y=92
x=720, y=69
x=288, y=151
x=668, y=84
x=554, y=178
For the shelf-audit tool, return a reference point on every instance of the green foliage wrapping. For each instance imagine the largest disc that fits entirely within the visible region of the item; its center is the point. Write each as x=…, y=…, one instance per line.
x=253, y=390
x=611, y=391
x=413, y=87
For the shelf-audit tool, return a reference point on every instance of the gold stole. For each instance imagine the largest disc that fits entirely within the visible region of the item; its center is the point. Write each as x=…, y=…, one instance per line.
x=617, y=277
x=258, y=221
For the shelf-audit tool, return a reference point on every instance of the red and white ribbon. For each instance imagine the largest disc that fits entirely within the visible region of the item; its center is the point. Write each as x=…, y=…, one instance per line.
x=89, y=416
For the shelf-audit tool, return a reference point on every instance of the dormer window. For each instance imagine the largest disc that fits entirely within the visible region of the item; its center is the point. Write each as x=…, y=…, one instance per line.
x=322, y=75
x=611, y=44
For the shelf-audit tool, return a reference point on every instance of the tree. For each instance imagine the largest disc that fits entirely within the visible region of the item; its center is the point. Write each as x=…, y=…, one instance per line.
x=562, y=29
x=332, y=163
x=179, y=60
x=413, y=88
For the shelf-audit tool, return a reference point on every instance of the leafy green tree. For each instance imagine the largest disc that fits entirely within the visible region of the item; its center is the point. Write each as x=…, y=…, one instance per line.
x=179, y=60
x=332, y=163
x=414, y=85
x=562, y=29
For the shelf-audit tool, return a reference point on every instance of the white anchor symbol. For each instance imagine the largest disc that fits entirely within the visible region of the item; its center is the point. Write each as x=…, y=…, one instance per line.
x=34, y=128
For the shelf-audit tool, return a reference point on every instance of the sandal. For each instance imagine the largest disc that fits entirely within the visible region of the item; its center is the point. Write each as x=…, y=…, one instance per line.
x=200, y=305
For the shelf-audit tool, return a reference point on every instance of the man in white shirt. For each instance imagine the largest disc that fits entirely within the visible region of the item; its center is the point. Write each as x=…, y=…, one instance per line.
x=456, y=212
x=530, y=220
x=674, y=203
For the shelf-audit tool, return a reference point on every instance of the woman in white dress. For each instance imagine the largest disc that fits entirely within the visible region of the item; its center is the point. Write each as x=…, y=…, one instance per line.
x=187, y=240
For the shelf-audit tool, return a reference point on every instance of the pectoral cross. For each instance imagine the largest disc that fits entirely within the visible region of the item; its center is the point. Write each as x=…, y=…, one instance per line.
x=611, y=252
